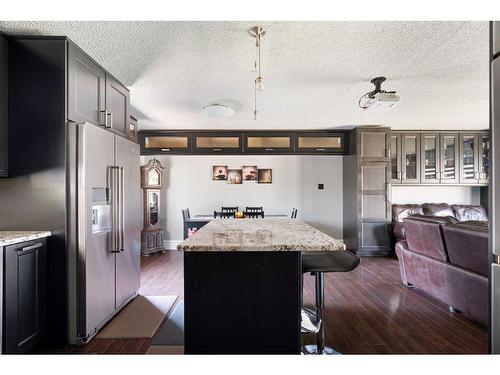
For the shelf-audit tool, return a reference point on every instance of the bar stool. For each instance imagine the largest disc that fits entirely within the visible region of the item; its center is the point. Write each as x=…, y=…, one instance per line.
x=317, y=263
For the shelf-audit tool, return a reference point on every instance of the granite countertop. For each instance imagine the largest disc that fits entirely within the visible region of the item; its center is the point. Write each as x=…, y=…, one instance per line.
x=11, y=237
x=259, y=235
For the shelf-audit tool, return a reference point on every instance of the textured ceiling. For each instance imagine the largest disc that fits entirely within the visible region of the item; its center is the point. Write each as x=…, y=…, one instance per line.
x=314, y=72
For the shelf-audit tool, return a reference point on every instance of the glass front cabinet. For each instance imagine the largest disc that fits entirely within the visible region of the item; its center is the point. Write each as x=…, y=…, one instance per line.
x=440, y=158
x=430, y=161
x=410, y=145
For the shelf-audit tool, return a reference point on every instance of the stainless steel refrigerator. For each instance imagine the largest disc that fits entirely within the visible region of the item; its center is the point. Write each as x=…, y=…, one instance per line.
x=104, y=227
x=494, y=189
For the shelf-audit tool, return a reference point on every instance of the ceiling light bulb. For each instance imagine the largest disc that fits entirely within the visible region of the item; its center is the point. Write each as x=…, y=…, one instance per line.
x=259, y=83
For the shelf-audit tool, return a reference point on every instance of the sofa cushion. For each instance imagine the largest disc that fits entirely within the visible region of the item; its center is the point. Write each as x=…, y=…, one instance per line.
x=467, y=246
x=401, y=211
x=438, y=209
x=424, y=235
x=467, y=212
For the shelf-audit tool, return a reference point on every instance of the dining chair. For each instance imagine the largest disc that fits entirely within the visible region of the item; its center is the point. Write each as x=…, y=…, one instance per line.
x=253, y=214
x=294, y=213
x=185, y=214
x=254, y=209
x=224, y=215
x=229, y=209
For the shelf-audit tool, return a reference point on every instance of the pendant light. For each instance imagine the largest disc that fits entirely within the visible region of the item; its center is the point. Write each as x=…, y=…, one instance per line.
x=257, y=32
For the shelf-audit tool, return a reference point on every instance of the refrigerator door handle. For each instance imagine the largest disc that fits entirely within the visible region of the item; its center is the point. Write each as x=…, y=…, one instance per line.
x=113, y=235
x=121, y=209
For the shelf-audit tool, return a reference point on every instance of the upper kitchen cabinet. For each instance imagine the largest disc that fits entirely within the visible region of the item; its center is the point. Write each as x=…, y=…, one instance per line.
x=133, y=130
x=440, y=158
x=410, y=144
x=496, y=38
x=117, y=106
x=484, y=157
x=159, y=142
x=395, y=157
x=86, y=88
x=268, y=142
x=320, y=142
x=429, y=158
x=374, y=144
x=218, y=142
x=449, y=158
x=95, y=96
x=4, y=155
x=469, y=157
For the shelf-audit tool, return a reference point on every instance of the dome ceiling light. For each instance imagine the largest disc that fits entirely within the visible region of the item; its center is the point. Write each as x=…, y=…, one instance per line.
x=217, y=110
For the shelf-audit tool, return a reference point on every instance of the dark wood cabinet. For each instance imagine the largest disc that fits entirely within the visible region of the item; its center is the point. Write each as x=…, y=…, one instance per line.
x=217, y=142
x=367, y=201
x=160, y=142
x=117, y=106
x=320, y=142
x=86, y=88
x=25, y=296
x=268, y=142
x=4, y=152
x=285, y=142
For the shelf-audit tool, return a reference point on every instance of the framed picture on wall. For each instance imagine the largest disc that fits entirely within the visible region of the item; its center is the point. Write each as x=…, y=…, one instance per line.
x=234, y=176
x=249, y=173
x=265, y=176
x=219, y=173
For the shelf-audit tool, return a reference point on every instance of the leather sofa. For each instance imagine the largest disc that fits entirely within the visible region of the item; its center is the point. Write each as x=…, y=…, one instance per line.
x=461, y=213
x=447, y=259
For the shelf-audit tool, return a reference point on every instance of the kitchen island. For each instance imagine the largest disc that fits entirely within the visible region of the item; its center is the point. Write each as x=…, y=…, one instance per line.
x=242, y=285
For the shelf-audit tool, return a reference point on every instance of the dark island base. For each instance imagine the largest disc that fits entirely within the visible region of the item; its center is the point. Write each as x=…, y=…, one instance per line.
x=242, y=302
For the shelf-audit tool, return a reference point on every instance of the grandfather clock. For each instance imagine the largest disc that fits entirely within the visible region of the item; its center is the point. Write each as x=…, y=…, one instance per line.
x=151, y=183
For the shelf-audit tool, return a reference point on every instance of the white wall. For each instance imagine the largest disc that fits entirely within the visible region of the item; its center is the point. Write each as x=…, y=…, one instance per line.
x=295, y=184
x=436, y=194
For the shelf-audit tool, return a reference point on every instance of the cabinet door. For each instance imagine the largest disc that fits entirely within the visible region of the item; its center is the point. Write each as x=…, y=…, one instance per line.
x=410, y=158
x=268, y=143
x=218, y=143
x=484, y=158
x=395, y=158
x=449, y=171
x=374, y=208
x=132, y=129
x=320, y=143
x=25, y=295
x=86, y=88
x=117, y=106
x=429, y=158
x=165, y=143
x=469, y=155
x=374, y=144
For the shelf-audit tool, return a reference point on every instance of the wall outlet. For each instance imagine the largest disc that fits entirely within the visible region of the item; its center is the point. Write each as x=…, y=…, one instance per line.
x=321, y=186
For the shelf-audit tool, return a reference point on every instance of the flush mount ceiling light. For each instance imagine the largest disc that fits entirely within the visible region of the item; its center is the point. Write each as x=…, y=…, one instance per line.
x=257, y=32
x=379, y=100
x=217, y=110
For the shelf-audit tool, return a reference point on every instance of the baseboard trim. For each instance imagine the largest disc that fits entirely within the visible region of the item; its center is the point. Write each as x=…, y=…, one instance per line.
x=170, y=244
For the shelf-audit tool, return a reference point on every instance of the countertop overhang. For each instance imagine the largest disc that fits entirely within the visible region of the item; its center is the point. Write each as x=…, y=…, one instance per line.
x=11, y=237
x=259, y=235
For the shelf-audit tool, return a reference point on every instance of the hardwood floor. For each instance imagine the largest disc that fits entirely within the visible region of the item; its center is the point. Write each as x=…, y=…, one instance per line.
x=368, y=311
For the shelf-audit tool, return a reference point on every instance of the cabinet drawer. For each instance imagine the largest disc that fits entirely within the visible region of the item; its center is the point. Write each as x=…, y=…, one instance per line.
x=320, y=143
x=268, y=143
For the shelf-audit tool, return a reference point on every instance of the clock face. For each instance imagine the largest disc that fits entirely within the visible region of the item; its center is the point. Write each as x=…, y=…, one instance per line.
x=153, y=177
